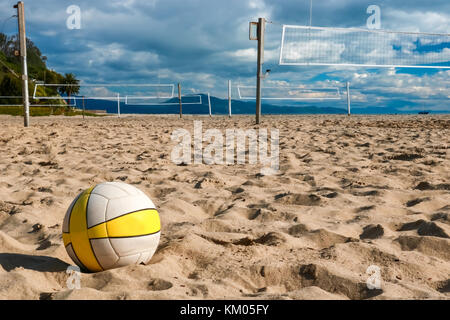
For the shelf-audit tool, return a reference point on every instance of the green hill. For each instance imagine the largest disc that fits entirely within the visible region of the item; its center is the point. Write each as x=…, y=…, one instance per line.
x=10, y=69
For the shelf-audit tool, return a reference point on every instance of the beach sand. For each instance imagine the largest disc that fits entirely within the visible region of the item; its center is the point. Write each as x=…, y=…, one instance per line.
x=351, y=193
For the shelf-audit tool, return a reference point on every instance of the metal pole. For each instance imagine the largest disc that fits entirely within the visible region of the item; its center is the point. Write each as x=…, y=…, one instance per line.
x=261, y=30
x=23, y=54
x=348, y=99
x=209, y=105
x=179, y=98
x=118, y=105
x=83, y=107
x=229, y=98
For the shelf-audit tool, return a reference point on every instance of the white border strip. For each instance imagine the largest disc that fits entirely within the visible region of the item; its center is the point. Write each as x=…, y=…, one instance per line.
x=103, y=85
x=338, y=96
x=163, y=103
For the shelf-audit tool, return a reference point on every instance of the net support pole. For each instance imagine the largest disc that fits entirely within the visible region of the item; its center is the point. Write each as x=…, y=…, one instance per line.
x=23, y=55
x=83, y=107
x=179, y=99
x=118, y=105
x=209, y=105
x=259, y=76
x=229, y=98
x=348, y=99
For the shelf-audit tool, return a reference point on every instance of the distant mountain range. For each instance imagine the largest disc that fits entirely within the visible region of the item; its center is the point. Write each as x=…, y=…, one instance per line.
x=220, y=107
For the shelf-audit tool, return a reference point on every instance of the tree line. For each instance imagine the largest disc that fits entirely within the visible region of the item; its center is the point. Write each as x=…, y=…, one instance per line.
x=10, y=70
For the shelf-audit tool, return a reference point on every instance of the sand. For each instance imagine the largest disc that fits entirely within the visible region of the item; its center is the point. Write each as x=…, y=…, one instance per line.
x=351, y=193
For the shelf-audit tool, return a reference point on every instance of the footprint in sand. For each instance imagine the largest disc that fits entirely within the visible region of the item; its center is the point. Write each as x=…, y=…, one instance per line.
x=424, y=185
x=406, y=157
x=269, y=239
x=364, y=209
x=9, y=208
x=331, y=195
x=48, y=201
x=431, y=246
x=159, y=285
x=372, y=232
x=415, y=202
x=45, y=190
x=298, y=230
x=425, y=228
x=315, y=275
x=443, y=286
x=371, y=193
x=441, y=217
x=298, y=199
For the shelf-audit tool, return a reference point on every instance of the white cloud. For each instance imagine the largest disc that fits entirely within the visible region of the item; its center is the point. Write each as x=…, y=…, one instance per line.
x=250, y=55
x=416, y=21
x=308, y=51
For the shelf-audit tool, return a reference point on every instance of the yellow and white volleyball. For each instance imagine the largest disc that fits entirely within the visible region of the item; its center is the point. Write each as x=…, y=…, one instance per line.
x=111, y=225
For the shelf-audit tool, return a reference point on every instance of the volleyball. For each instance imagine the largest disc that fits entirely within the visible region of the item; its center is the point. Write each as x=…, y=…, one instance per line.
x=109, y=226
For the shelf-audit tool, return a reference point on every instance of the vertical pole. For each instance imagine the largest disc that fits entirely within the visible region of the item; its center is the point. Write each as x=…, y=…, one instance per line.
x=261, y=30
x=23, y=54
x=209, y=105
x=348, y=99
x=118, y=105
x=229, y=98
x=83, y=107
x=179, y=98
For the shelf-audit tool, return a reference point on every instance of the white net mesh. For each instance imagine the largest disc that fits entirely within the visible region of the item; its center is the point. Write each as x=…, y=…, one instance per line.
x=289, y=93
x=302, y=45
x=148, y=101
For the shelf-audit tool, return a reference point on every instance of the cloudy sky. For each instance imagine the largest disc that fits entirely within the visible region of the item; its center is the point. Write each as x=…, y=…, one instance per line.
x=204, y=43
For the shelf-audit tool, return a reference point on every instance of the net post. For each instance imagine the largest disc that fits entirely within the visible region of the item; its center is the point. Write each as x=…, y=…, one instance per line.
x=209, y=105
x=229, y=98
x=348, y=99
x=23, y=54
x=83, y=107
x=118, y=105
x=179, y=98
x=260, y=62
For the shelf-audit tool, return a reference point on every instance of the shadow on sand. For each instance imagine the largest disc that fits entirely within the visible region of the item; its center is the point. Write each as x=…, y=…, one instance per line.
x=10, y=261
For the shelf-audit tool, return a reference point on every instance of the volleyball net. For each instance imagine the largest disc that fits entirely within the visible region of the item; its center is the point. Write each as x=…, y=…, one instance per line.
x=153, y=92
x=304, y=45
x=291, y=93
